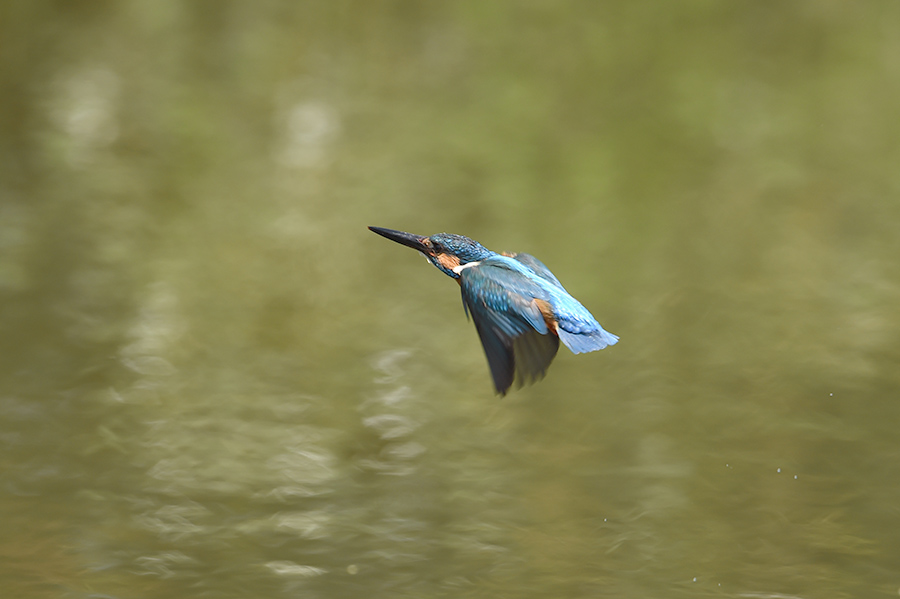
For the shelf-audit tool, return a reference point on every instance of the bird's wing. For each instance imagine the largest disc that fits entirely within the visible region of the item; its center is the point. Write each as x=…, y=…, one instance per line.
x=506, y=308
x=538, y=267
x=578, y=329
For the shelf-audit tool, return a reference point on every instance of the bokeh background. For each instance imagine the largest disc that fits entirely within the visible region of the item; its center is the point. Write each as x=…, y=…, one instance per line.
x=215, y=382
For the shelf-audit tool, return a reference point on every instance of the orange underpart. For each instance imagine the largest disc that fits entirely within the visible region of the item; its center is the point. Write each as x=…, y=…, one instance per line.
x=547, y=313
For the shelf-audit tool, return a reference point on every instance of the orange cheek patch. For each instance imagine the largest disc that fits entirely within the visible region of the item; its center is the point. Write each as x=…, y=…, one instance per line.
x=448, y=261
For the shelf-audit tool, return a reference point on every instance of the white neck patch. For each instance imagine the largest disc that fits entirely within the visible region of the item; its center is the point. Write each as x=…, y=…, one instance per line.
x=462, y=267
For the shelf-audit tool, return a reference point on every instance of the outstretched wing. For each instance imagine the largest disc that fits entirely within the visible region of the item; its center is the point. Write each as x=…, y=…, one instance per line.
x=506, y=308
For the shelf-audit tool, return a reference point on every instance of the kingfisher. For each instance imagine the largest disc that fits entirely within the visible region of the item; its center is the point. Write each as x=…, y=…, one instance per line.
x=521, y=311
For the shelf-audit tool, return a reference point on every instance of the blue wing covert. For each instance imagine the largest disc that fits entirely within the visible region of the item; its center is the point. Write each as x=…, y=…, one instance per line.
x=516, y=340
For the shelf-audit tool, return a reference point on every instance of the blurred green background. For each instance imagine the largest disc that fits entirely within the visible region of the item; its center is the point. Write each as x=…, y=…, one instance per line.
x=215, y=382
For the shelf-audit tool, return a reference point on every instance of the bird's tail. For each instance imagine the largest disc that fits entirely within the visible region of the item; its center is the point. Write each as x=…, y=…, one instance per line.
x=587, y=342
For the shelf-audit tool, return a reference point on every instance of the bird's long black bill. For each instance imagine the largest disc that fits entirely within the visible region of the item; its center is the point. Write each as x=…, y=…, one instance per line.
x=407, y=239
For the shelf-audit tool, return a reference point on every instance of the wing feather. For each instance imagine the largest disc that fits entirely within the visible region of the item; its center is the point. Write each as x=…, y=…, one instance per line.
x=578, y=329
x=538, y=267
x=516, y=340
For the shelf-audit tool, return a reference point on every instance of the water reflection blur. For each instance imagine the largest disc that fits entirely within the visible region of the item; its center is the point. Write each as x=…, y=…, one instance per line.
x=216, y=382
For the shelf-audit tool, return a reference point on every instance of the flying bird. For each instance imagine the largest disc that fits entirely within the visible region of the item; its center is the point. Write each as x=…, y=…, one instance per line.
x=521, y=311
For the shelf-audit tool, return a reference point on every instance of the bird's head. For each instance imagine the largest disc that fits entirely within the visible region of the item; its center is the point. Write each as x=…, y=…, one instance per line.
x=445, y=250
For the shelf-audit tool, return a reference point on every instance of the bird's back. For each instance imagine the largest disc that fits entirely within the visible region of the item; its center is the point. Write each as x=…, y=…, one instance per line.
x=577, y=327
